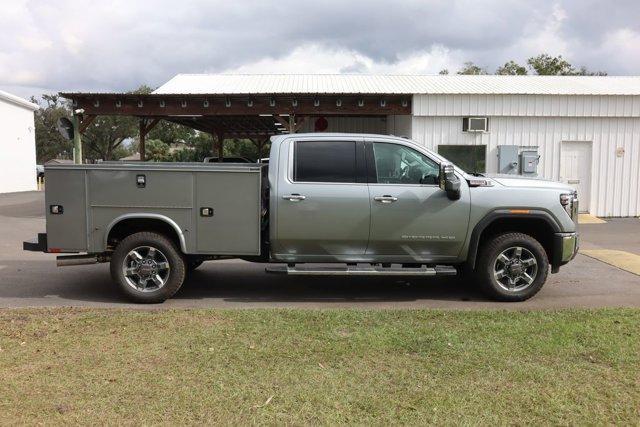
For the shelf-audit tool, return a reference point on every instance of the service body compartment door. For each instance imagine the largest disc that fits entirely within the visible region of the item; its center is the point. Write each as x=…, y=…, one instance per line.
x=67, y=229
x=227, y=206
x=322, y=204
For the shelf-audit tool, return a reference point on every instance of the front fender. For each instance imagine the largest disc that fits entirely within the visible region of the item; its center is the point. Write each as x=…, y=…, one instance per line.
x=488, y=219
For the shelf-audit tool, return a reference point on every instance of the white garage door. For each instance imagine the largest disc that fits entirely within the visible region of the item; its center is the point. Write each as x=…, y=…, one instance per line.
x=575, y=169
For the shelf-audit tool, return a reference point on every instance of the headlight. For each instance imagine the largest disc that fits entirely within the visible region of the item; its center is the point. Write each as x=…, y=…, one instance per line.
x=569, y=202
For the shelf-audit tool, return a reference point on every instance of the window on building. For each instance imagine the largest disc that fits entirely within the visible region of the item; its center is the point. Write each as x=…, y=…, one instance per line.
x=325, y=161
x=471, y=158
x=398, y=164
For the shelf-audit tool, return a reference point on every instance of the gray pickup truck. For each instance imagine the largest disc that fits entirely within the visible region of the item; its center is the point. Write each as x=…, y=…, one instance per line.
x=325, y=204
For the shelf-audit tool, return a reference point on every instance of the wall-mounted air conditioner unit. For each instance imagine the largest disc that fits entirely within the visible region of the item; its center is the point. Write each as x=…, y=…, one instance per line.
x=475, y=124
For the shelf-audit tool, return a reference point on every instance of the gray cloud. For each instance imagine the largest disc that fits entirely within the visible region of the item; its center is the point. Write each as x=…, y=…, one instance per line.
x=117, y=45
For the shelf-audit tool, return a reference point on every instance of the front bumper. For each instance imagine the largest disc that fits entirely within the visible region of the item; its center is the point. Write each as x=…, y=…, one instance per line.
x=565, y=248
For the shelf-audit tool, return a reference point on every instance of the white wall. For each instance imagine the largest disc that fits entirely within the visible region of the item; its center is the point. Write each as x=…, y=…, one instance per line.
x=610, y=122
x=17, y=148
x=615, y=181
x=527, y=105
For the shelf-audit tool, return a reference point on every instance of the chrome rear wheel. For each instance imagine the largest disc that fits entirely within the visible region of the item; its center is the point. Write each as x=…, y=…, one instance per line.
x=146, y=269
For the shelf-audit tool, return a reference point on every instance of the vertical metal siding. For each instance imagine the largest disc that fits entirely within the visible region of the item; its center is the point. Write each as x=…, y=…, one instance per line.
x=615, y=189
x=527, y=105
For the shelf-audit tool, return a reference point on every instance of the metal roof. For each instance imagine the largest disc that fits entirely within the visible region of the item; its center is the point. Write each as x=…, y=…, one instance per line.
x=6, y=96
x=232, y=84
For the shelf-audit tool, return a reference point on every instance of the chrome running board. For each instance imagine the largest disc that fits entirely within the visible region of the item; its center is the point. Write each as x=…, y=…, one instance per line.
x=438, y=270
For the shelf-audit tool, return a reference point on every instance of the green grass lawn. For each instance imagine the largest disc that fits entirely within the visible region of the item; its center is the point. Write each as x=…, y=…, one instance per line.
x=307, y=367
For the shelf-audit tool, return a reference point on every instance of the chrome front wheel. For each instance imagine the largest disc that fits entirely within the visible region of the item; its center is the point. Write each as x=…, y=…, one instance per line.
x=515, y=269
x=511, y=266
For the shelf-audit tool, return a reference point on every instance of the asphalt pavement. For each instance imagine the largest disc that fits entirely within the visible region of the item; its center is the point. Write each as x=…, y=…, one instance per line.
x=29, y=279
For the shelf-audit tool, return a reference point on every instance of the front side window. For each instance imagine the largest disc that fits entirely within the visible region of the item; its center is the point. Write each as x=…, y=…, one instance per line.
x=324, y=161
x=398, y=164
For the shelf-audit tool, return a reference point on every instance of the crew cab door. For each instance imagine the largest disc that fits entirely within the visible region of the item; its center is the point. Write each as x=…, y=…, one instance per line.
x=322, y=206
x=412, y=219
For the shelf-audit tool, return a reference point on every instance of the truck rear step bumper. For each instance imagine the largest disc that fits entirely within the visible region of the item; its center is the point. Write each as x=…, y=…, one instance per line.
x=36, y=245
x=438, y=270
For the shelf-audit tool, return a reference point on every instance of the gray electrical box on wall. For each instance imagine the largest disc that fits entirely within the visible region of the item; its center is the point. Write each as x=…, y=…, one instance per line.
x=529, y=162
x=508, y=161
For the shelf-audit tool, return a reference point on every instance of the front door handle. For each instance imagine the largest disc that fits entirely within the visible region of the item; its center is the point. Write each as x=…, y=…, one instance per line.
x=295, y=197
x=385, y=199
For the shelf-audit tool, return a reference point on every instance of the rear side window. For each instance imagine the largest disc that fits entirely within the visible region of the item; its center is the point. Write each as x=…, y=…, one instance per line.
x=325, y=161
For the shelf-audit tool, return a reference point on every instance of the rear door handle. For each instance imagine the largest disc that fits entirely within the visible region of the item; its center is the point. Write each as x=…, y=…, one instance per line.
x=385, y=199
x=295, y=197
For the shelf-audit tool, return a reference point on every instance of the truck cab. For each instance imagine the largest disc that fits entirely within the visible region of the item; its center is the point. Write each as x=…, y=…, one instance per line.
x=367, y=198
x=374, y=204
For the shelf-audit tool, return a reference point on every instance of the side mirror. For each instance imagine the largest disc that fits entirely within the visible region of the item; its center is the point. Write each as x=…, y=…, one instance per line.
x=449, y=182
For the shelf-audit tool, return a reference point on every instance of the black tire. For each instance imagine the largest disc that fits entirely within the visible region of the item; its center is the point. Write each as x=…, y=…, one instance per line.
x=175, y=273
x=488, y=267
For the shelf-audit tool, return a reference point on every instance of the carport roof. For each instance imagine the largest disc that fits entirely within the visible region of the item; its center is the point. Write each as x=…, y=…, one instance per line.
x=245, y=84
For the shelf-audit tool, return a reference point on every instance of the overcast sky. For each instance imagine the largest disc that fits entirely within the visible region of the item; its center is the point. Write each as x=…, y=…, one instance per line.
x=49, y=46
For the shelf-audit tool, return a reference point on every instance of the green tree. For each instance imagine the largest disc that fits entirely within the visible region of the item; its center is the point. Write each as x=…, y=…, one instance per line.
x=172, y=133
x=198, y=146
x=104, y=138
x=584, y=72
x=444, y=72
x=511, y=68
x=237, y=147
x=472, y=69
x=49, y=143
x=157, y=151
x=142, y=90
x=546, y=65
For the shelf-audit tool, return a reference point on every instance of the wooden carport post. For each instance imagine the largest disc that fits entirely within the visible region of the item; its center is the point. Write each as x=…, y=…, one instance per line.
x=145, y=128
x=259, y=143
x=80, y=124
x=291, y=124
x=143, y=137
x=218, y=141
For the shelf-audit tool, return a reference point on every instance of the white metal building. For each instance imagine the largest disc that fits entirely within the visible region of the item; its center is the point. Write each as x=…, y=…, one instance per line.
x=17, y=144
x=586, y=130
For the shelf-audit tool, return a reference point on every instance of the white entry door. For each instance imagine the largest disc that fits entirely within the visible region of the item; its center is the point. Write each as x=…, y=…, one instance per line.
x=575, y=169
